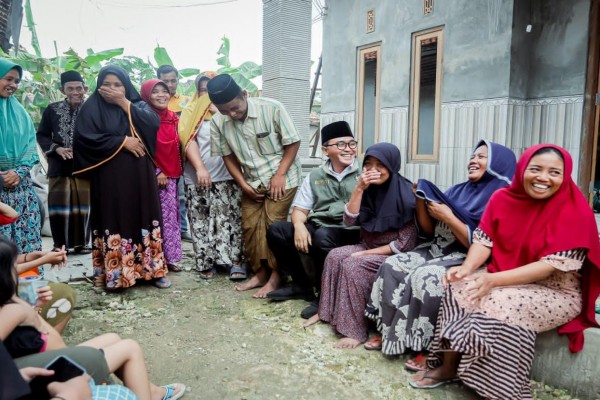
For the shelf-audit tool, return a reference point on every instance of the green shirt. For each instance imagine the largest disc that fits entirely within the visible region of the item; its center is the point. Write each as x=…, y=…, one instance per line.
x=331, y=195
x=258, y=141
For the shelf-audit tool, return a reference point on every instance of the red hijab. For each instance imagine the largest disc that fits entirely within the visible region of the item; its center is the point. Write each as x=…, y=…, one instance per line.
x=524, y=230
x=167, y=140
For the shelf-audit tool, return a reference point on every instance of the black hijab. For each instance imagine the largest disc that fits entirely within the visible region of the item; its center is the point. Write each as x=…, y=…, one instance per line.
x=391, y=205
x=101, y=127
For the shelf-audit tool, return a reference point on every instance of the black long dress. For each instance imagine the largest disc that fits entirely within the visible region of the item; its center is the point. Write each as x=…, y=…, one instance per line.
x=125, y=213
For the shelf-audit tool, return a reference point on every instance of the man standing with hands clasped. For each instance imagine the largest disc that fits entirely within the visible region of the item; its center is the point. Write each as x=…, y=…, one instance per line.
x=259, y=145
x=68, y=196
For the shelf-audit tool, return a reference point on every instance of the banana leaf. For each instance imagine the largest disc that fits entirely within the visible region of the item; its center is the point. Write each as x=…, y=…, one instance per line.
x=161, y=56
x=186, y=72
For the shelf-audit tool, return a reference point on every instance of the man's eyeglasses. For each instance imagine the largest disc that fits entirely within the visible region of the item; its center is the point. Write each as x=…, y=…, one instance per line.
x=342, y=145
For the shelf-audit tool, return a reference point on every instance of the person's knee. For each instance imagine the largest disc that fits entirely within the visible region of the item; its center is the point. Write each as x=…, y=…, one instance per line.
x=112, y=337
x=278, y=232
x=322, y=239
x=133, y=347
x=61, y=306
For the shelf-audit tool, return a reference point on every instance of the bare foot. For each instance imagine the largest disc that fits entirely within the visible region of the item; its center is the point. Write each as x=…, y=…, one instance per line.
x=311, y=321
x=258, y=280
x=273, y=284
x=347, y=343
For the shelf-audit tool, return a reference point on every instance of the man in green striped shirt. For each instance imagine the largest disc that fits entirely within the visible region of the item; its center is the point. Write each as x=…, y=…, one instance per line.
x=259, y=145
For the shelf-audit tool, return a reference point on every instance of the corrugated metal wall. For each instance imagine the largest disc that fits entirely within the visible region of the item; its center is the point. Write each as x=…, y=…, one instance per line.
x=516, y=124
x=286, y=59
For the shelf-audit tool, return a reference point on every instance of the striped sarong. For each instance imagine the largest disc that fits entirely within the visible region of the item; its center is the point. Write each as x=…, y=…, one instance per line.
x=69, y=209
x=496, y=357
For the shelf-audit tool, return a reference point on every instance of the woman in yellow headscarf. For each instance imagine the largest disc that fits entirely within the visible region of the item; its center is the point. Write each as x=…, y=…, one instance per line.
x=212, y=196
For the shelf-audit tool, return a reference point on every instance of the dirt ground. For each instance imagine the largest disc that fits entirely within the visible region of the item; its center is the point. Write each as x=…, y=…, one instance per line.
x=225, y=345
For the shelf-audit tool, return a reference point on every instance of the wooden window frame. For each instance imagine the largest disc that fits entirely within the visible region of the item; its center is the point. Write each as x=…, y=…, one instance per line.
x=415, y=86
x=361, y=88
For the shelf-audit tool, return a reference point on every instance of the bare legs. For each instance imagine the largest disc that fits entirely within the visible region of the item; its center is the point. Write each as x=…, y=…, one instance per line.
x=311, y=321
x=346, y=343
x=265, y=279
x=343, y=343
x=259, y=279
x=125, y=358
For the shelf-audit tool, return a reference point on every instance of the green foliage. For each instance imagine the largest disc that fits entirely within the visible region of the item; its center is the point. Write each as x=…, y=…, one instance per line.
x=161, y=56
x=31, y=25
x=41, y=81
x=242, y=74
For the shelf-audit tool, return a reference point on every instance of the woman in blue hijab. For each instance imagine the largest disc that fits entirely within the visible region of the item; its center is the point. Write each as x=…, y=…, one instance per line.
x=18, y=153
x=407, y=292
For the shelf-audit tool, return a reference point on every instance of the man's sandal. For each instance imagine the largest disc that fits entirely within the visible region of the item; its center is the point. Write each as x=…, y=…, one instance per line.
x=171, y=395
x=237, y=273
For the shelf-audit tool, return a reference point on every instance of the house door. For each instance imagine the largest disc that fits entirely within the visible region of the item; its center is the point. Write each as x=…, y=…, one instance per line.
x=595, y=178
x=590, y=150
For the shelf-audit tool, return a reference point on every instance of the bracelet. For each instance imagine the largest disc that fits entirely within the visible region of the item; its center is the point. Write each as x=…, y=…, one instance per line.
x=26, y=254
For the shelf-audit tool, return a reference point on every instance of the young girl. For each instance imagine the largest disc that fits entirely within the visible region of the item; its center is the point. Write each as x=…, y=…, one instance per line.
x=24, y=332
x=22, y=329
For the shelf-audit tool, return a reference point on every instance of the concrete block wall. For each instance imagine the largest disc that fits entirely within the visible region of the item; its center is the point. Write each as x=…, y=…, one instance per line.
x=555, y=365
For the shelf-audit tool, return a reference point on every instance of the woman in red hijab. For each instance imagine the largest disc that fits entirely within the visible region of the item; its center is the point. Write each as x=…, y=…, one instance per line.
x=168, y=168
x=541, y=238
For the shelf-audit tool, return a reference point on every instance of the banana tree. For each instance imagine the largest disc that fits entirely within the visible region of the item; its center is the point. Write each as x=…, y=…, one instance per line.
x=241, y=74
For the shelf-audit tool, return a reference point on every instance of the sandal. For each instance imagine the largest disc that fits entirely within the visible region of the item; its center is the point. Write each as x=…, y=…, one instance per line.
x=438, y=382
x=237, y=273
x=174, y=268
x=374, y=344
x=171, y=395
x=163, y=283
x=208, y=274
x=416, y=364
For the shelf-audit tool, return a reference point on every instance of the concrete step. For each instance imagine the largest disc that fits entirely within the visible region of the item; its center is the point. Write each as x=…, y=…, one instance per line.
x=555, y=365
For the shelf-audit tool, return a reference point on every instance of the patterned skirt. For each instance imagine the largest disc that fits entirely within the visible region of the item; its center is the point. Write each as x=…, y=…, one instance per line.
x=345, y=288
x=169, y=202
x=407, y=292
x=215, y=217
x=125, y=218
x=26, y=231
x=497, y=351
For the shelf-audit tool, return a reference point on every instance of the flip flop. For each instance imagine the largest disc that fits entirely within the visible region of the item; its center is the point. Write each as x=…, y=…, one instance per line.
x=374, y=343
x=413, y=364
x=438, y=382
x=208, y=274
x=163, y=283
x=170, y=395
x=174, y=268
x=239, y=271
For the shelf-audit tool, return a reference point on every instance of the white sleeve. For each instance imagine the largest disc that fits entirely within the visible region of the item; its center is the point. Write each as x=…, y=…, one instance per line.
x=304, y=197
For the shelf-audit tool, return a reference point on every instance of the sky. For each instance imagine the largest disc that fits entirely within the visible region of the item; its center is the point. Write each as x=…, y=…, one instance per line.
x=190, y=30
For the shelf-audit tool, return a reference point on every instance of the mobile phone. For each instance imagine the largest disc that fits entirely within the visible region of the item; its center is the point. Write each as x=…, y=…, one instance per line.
x=64, y=369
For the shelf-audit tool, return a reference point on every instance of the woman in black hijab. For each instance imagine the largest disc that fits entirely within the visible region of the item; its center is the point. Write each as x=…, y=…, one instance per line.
x=113, y=144
x=383, y=204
